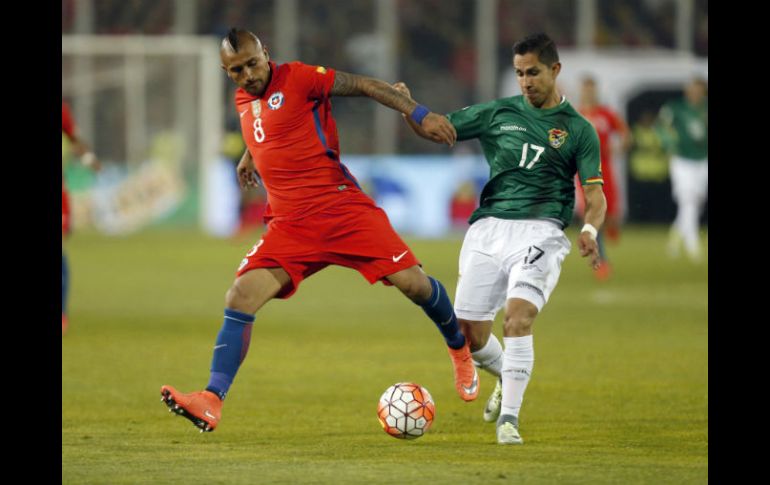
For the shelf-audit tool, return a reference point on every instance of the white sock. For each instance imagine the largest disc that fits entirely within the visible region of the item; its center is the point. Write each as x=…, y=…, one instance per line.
x=490, y=356
x=518, y=360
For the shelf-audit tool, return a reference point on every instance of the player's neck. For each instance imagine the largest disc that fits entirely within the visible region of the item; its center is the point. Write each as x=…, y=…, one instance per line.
x=554, y=100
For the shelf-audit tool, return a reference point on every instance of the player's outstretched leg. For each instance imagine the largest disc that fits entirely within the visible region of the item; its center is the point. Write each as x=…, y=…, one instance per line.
x=440, y=310
x=250, y=291
x=430, y=294
x=204, y=408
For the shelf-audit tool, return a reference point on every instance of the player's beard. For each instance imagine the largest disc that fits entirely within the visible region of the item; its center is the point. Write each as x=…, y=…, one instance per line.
x=255, y=89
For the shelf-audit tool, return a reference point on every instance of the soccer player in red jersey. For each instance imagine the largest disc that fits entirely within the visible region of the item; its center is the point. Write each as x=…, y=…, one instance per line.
x=317, y=214
x=87, y=157
x=607, y=124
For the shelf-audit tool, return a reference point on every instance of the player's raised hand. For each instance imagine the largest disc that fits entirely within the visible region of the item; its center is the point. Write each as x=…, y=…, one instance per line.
x=588, y=247
x=439, y=129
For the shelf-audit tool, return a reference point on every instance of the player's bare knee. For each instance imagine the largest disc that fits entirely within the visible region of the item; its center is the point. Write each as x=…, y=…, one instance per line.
x=519, y=321
x=237, y=299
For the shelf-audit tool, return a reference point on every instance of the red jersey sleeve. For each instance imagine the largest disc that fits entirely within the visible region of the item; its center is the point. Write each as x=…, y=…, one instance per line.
x=313, y=81
x=617, y=123
x=67, y=123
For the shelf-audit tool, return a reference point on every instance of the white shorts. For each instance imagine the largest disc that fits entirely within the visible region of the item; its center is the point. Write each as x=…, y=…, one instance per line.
x=689, y=178
x=502, y=259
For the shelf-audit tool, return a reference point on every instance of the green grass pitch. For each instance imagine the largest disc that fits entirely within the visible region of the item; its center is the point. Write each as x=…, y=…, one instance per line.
x=619, y=391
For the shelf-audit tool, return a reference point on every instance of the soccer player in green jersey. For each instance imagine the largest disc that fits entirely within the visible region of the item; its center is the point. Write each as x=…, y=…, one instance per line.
x=685, y=123
x=512, y=253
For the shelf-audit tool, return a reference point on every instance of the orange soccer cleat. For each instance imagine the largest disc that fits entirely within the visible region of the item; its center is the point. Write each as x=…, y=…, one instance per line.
x=466, y=377
x=203, y=408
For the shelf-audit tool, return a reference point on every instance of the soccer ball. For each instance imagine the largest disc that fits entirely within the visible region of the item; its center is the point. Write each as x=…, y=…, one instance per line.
x=406, y=410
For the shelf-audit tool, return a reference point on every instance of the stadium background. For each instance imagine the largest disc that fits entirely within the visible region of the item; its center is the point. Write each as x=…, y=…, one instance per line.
x=620, y=393
x=154, y=104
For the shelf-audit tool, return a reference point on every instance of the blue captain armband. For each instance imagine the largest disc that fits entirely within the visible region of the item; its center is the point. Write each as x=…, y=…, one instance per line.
x=419, y=113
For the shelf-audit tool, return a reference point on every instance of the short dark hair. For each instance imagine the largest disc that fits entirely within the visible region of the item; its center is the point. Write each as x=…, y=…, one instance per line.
x=539, y=44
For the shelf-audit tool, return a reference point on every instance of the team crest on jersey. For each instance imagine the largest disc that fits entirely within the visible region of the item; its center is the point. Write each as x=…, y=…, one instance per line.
x=256, y=108
x=320, y=69
x=275, y=101
x=556, y=137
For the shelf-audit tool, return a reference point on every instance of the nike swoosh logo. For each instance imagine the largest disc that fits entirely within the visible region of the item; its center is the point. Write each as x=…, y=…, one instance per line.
x=474, y=383
x=243, y=112
x=219, y=346
x=396, y=259
x=208, y=414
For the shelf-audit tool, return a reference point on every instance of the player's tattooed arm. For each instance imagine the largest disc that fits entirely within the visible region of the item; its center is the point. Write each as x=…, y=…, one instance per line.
x=346, y=84
x=436, y=127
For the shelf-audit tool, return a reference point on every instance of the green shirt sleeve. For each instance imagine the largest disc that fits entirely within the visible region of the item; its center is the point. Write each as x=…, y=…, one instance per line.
x=665, y=127
x=589, y=162
x=471, y=121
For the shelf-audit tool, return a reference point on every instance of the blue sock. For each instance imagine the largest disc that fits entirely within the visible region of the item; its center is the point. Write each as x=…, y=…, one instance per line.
x=65, y=279
x=229, y=351
x=439, y=309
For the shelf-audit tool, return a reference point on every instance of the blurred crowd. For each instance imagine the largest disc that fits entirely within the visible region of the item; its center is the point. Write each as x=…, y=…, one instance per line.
x=435, y=48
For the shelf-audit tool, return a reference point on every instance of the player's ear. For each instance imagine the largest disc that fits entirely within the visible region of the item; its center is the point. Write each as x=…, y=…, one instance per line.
x=556, y=68
x=267, y=54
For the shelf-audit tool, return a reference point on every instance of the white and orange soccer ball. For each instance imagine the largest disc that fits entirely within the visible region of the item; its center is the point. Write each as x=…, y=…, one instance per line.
x=406, y=410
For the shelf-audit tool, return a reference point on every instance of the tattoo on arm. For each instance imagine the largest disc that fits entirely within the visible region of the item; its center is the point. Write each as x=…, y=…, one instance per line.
x=346, y=84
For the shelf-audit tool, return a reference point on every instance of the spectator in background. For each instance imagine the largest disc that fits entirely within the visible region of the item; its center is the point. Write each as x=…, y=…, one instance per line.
x=79, y=148
x=607, y=124
x=463, y=204
x=684, y=125
x=647, y=160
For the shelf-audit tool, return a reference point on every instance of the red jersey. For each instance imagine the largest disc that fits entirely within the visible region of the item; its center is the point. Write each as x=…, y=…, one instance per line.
x=67, y=127
x=292, y=137
x=67, y=123
x=606, y=123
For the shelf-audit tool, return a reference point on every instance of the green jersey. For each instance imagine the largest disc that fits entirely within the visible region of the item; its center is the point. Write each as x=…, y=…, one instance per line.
x=689, y=124
x=533, y=155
